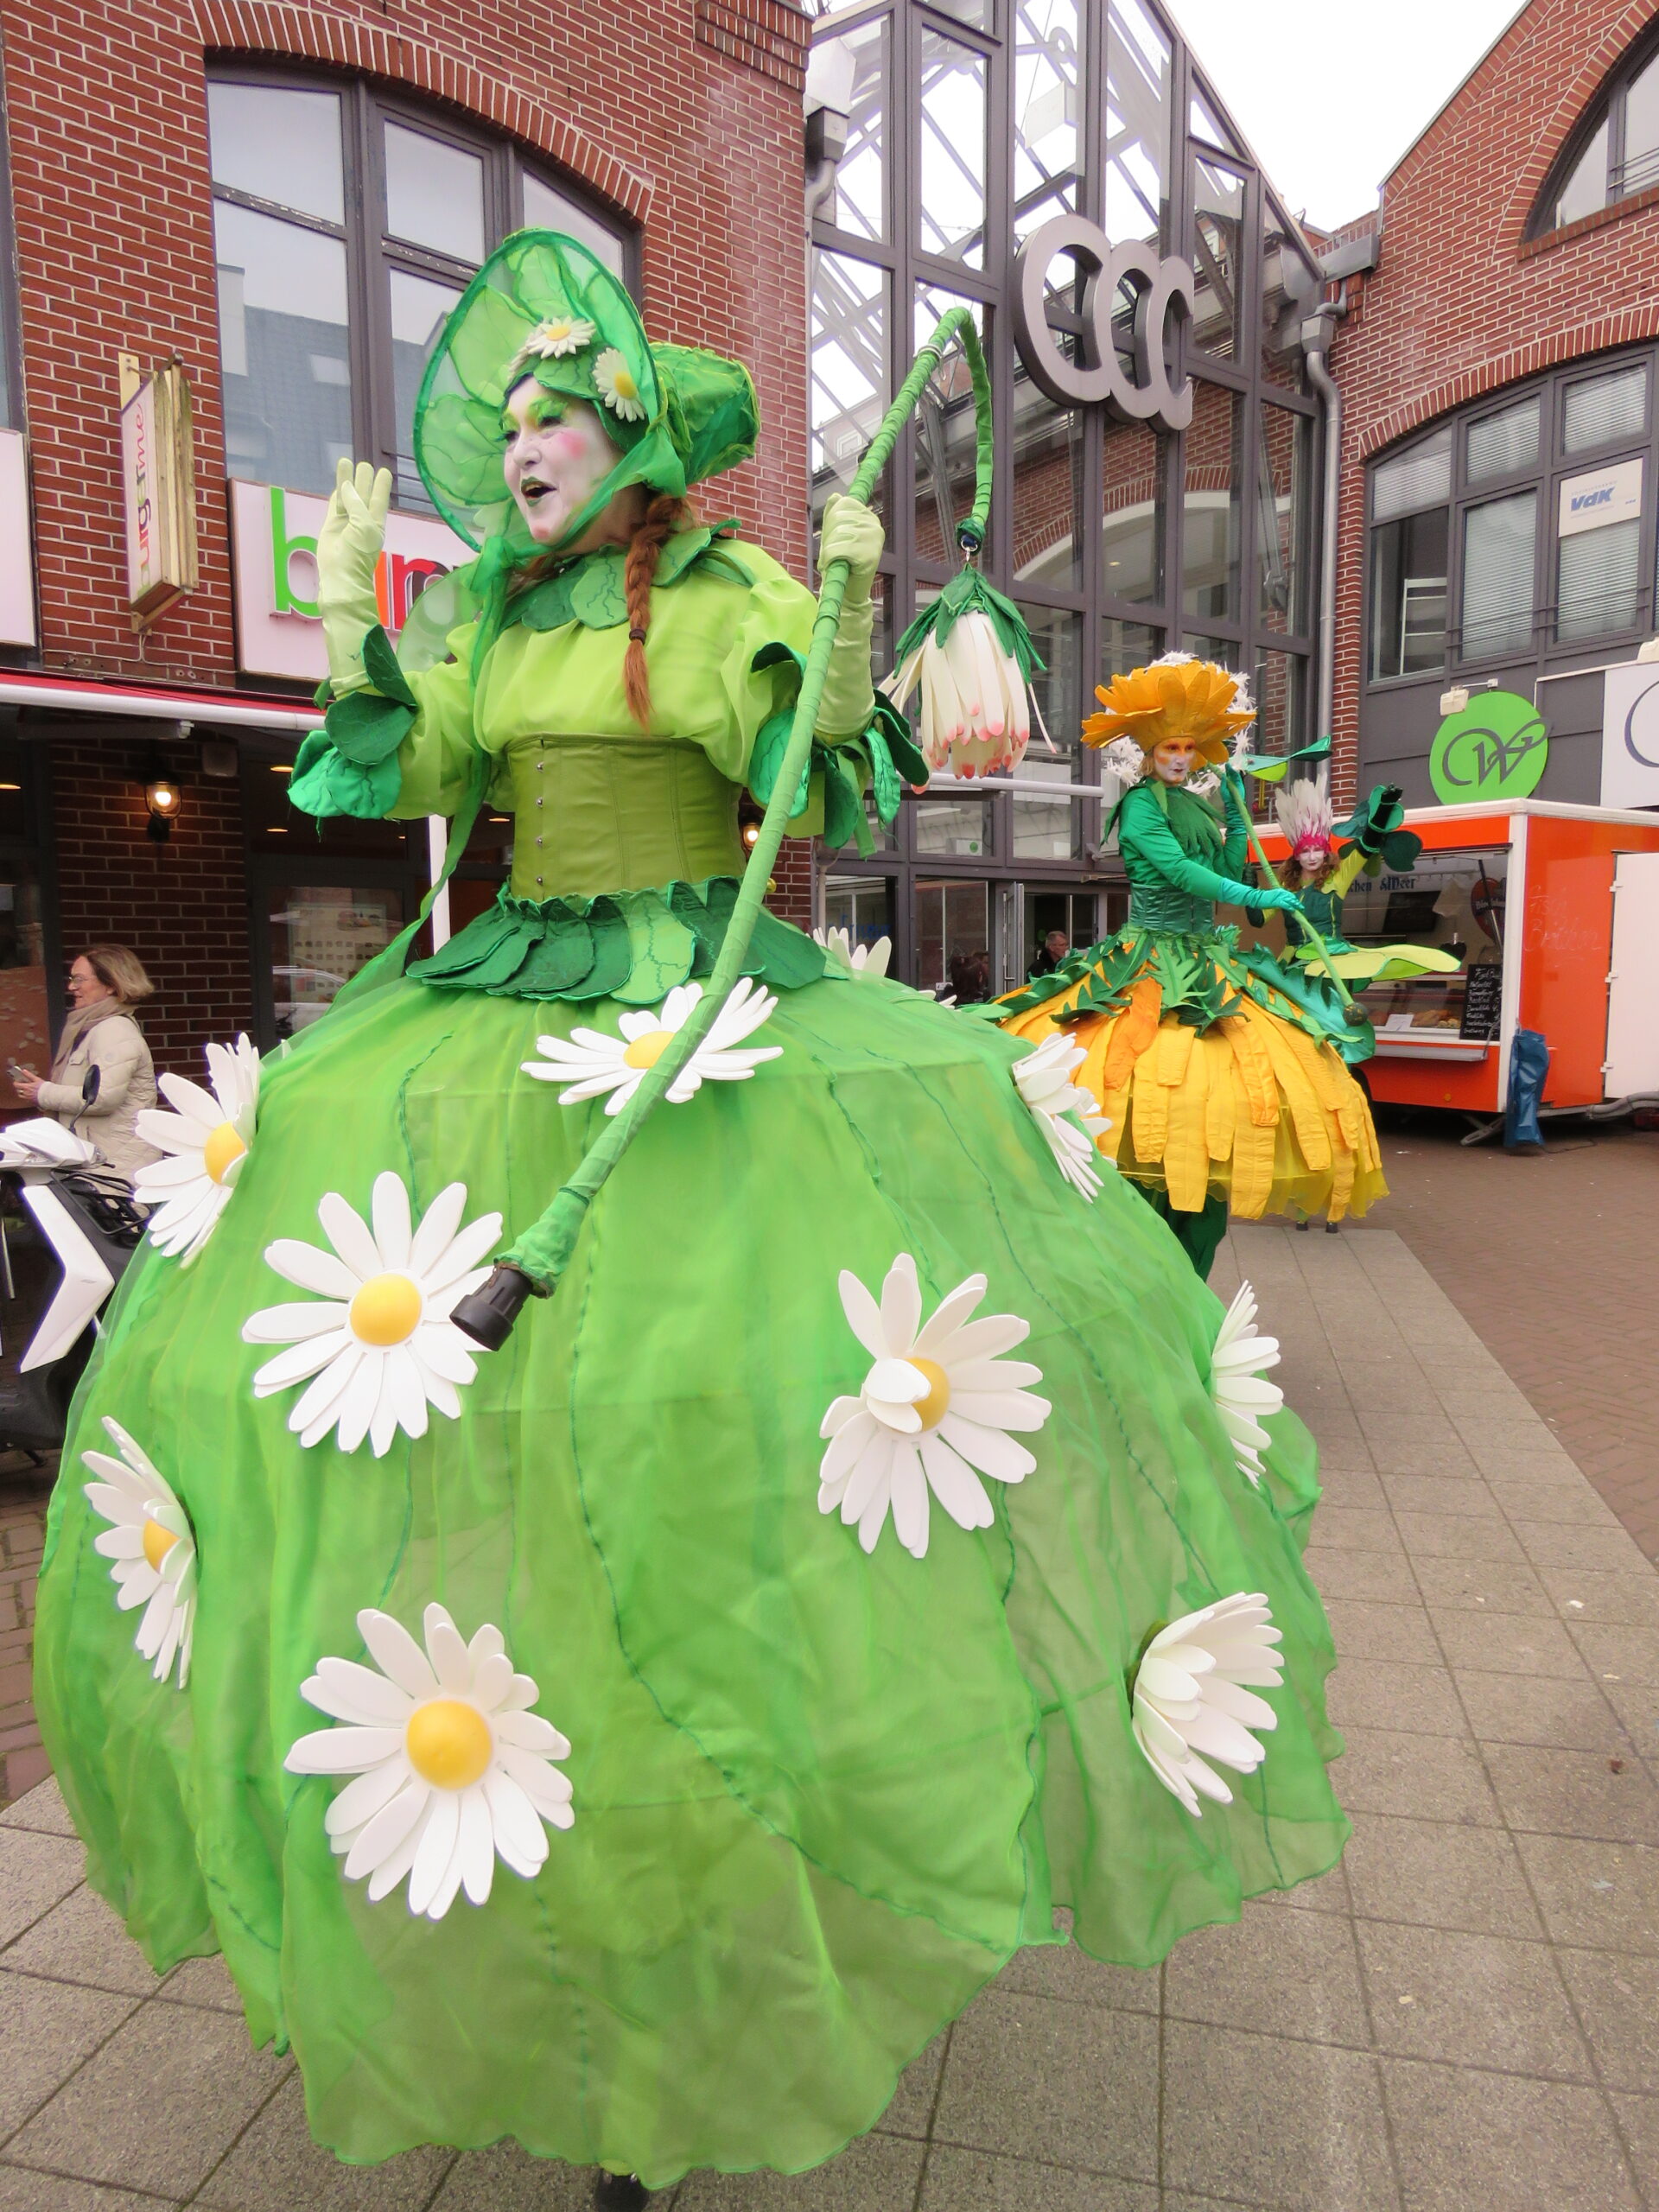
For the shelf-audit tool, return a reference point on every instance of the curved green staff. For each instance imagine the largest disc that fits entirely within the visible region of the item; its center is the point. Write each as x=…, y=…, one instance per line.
x=1276, y=769
x=535, y=1263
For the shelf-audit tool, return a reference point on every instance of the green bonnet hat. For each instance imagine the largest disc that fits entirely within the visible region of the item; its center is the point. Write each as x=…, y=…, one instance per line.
x=544, y=306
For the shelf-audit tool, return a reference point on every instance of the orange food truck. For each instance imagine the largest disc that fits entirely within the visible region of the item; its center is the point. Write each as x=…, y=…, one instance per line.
x=1553, y=913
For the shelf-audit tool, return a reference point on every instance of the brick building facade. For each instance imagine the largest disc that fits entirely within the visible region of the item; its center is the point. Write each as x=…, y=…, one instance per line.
x=676, y=128
x=1496, y=284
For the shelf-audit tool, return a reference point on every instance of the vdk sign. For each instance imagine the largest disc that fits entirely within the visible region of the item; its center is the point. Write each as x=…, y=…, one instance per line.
x=1138, y=391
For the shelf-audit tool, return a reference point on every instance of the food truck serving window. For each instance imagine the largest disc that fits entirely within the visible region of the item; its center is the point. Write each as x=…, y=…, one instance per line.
x=1452, y=900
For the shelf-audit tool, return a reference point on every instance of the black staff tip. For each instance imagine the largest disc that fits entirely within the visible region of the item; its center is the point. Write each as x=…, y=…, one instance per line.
x=488, y=1315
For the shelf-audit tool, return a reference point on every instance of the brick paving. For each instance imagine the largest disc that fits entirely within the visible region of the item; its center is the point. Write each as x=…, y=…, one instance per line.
x=1463, y=2014
x=1555, y=1263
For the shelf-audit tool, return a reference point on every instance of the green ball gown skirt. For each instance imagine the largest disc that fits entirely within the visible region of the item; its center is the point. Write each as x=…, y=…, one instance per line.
x=790, y=1791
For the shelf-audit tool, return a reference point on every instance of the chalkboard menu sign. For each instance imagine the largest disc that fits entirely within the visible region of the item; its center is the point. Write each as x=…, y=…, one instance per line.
x=1482, y=1001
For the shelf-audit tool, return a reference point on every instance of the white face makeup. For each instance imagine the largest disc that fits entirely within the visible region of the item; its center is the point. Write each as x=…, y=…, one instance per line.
x=1174, y=761
x=558, y=456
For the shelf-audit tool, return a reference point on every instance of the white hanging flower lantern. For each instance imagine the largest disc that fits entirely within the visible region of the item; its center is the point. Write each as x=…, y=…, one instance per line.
x=1242, y=1399
x=970, y=658
x=1189, y=1701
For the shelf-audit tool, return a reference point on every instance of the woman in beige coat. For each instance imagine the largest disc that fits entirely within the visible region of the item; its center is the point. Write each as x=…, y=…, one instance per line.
x=102, y=1078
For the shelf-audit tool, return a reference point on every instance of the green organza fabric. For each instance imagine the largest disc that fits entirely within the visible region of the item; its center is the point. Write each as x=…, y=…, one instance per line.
x=820, y=1797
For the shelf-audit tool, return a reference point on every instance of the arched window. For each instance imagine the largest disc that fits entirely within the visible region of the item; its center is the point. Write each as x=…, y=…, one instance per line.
x=347, y=225
x=1614, y=153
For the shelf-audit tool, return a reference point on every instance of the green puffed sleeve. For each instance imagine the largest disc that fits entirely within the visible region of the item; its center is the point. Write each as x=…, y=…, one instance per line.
x=402, y=749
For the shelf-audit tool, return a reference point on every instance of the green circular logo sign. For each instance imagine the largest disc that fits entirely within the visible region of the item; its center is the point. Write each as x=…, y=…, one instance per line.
x=1495, y=748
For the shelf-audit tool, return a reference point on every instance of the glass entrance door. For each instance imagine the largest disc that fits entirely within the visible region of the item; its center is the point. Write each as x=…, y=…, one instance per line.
x=955, y=949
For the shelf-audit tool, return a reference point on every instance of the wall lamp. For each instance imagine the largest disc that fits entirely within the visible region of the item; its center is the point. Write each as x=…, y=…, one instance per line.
x=163, y=799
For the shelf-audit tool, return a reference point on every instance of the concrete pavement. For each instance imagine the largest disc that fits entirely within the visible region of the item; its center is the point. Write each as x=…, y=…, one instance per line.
x=1466, y=2013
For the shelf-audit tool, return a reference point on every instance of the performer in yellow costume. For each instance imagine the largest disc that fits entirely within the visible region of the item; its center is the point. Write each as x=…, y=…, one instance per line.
x=1218, y=1068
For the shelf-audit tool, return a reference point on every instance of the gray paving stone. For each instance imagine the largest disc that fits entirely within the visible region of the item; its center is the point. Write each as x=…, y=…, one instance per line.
x=1559, y=1543
x=1287, y=1974
x=23, y=2191
x=1540, y=1709
x=1602, y=1895
x=47, y=2028
x=1439, y=1494
x=274, y=2166
x=1503, y=2142
x=1264, y=2122
x=1562, y=1501
x=36, y=1870
x=42, y=1809
x=1326, y=1892
x=158, y=2106
x=879, y=2174
x=1639, y=2119
x=1346, y=1527
x=1506, y=1643
x=1438, y=1876
x=1031, y=2077
x=1352, y=1487
x=1619, y=2002
x=1586, y=1793
x=1631, y=1655
x=505, y=2178
x=1471, y=2001
x=1383, y=1578
x=202, y=1981
x=1064, y=1970
x=1456, y=1535
x=1481, y=1585
x=1377, y=1693
x=1425, y=1777
x=82, y=1941
x=1587, y=1596
x=1364, y=1630
x=910, y=2112
x=972, y=2180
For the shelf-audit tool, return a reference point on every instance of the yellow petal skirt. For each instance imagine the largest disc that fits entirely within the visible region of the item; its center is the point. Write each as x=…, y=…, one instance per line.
x=1252, y=1110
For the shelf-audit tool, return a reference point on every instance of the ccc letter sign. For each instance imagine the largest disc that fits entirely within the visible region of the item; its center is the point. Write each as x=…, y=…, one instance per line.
x=1159, y=290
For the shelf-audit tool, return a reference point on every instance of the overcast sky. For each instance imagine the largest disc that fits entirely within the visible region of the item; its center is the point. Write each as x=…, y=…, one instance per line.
x=1330, y=95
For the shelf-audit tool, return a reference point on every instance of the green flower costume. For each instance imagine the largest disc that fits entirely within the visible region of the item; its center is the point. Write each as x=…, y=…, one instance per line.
x=741, y=1761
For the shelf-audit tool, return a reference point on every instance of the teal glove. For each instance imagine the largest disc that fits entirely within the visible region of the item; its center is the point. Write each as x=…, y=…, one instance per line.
x=853, y=534
x=1285, y=902
x=348, y=547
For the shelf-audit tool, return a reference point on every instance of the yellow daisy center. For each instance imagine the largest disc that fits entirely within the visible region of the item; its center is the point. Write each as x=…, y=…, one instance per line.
x=385, y=1311
x=623, y=385
x=448, y=1742
x=933, y=1407
x=646, y=1050
x=222, y=1151
x=158, y=1542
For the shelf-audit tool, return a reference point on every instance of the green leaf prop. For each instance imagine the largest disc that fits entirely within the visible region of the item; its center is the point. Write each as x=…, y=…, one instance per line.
x=1272, y=767
x=380, y=666
x=365, y=728
x=968, y=592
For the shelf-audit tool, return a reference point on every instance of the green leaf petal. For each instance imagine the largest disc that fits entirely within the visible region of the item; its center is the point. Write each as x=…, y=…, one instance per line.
x=380, y=666
x=365, y=728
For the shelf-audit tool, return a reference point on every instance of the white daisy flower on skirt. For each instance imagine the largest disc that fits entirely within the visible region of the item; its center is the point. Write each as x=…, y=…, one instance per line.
x=1242, y=1399
x=937, y=1404
x=453, y=1769
x=1189, y=1696
x=380, y=1347
x=153, y=1546
x=864, y=960
x=1044, y=1080
x=209, y=1139
x=591, y=1061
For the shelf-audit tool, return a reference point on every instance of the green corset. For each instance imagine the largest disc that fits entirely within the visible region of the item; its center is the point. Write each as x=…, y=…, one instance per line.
x=1155, y=905
x=599, y=814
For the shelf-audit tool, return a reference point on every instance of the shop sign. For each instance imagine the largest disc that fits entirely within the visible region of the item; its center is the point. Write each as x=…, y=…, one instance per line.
x=159, y=488
x=1599, y=497
x=16, y=545
x=274, y=550
x=1630, y=736
x=1493, y=748
x=1137, y=390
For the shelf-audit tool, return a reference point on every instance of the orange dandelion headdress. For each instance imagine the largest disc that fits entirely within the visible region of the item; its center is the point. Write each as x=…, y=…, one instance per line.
x=1176, y=697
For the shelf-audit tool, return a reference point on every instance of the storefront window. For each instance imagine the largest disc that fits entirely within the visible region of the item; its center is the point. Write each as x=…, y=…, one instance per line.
x=338, y=217
x=1132, y=530
x=1210, y=505
x=321, y=935
x=1620, y=157
x=1599, y=411
x=1502, y=443
x=953, y=825
x=1408, y=594
x=1137, y=126
x=1218, y=208
x=860, y=904
x=1048, y=486
x=1282, y=463
x=28, y=986
x=953, y=939
x=952, y=211
x=1453, y=901
x=858, y=59
x=850, y=368
x=945, y=434
x=1047, y=107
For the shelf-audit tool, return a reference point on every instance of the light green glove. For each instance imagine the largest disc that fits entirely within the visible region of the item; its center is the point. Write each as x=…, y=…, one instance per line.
x=853, y=534
x=348, y=547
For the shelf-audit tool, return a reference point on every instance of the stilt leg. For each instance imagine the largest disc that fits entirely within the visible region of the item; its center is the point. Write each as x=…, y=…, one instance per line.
x=619, y=2193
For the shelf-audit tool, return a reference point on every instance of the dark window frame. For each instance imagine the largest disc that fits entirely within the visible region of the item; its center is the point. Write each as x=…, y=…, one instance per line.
x=1608, y=107
x=373, y=252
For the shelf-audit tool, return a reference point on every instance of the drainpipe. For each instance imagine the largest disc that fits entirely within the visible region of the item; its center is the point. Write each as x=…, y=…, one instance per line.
x=1317, y=333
